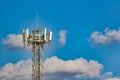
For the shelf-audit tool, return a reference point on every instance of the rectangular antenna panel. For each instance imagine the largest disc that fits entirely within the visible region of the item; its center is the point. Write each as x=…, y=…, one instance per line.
x=27, y=33
x=50, y=35
x=45, y=34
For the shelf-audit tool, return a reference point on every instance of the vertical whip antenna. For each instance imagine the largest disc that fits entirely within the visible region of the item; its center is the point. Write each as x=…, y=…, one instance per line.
x=37, y=20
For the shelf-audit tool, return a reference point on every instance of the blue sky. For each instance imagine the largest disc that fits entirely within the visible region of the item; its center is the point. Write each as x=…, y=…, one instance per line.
x=80, y=18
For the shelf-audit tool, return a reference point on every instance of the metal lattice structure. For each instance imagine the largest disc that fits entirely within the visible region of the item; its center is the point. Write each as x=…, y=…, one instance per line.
x=36, y=41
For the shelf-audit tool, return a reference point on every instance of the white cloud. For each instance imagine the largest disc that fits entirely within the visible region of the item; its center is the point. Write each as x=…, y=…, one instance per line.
x=109, y=76
x=19, y=71
x=78, y=67
x=105, y=38
x=113, y=78
x=13, y=40
x=62, y=39
x=54, y=69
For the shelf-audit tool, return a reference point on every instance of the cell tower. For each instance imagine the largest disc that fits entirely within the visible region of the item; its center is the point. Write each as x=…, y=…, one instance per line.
x=37, y=41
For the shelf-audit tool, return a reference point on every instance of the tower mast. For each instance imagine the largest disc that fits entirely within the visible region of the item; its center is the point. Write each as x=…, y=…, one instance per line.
x=36, y=41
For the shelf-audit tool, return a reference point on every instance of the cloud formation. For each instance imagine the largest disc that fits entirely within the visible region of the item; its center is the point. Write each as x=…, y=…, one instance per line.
x=54, y=69
x=105, y=38
x=113, y=78
x=62, y=38
x=19, y=71
x=78, y=68
x=13, y=41
x=109, y=76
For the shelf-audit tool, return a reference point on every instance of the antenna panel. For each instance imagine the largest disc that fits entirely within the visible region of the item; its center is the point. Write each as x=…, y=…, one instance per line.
x=50, y=35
